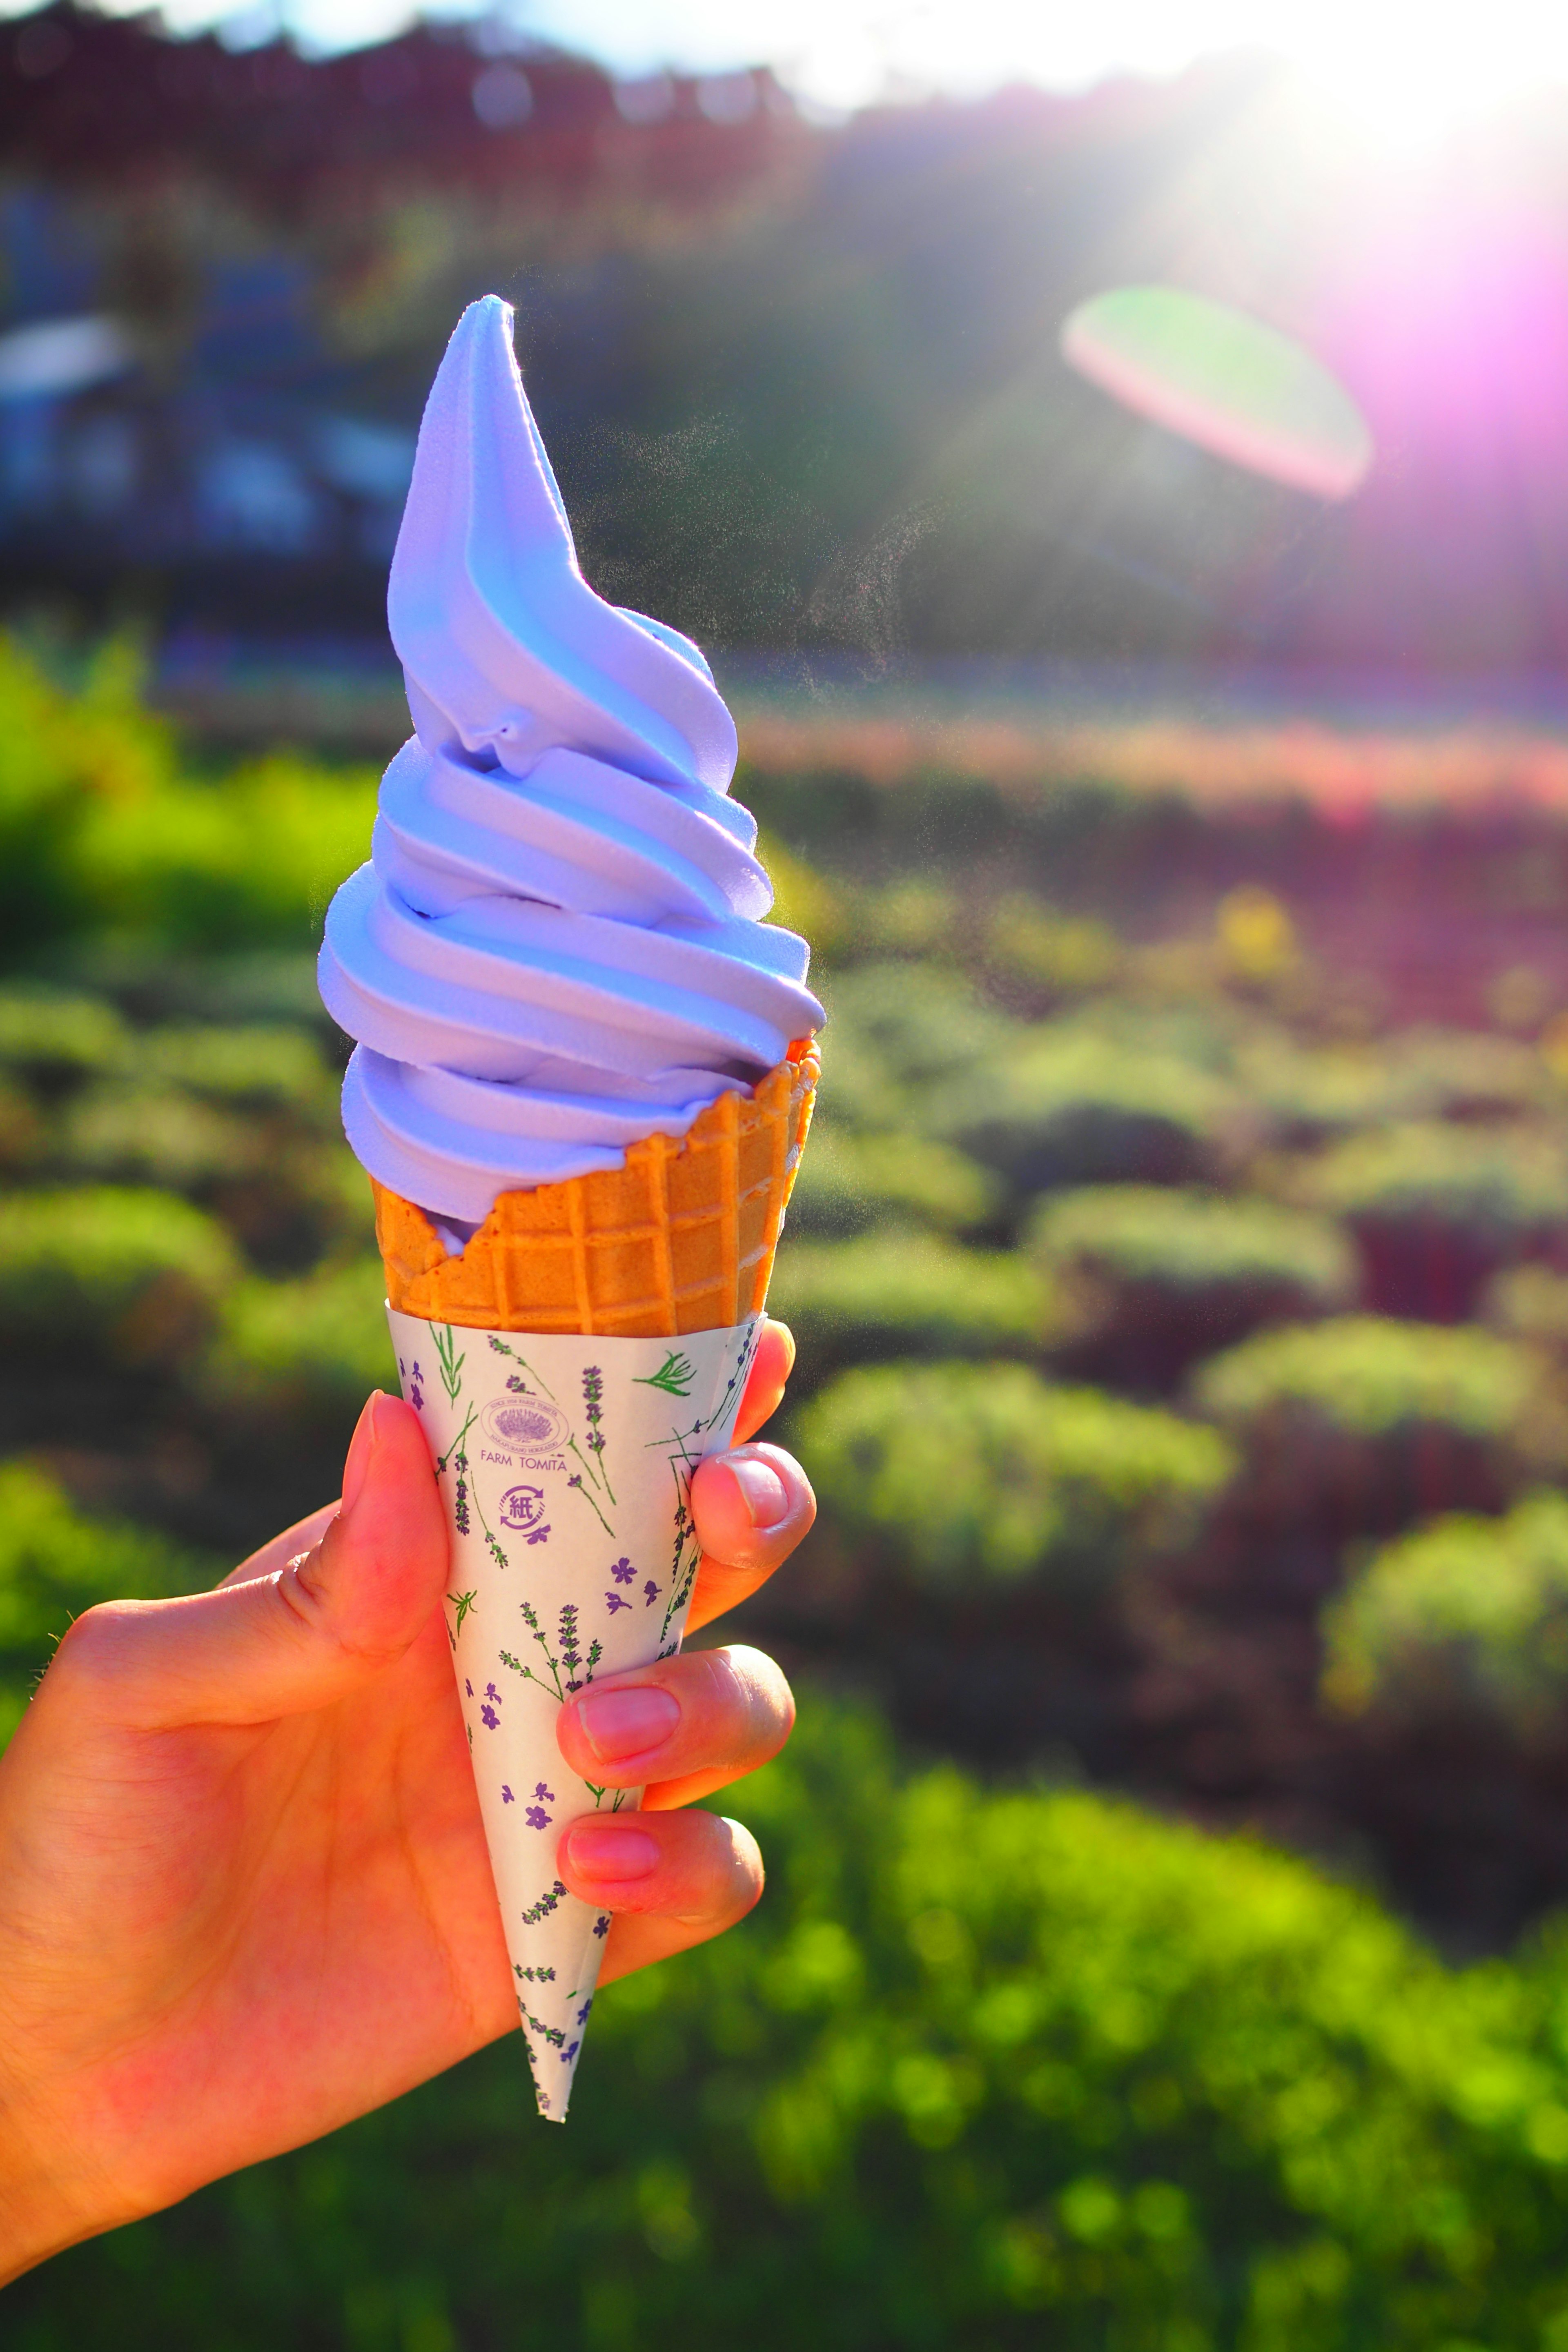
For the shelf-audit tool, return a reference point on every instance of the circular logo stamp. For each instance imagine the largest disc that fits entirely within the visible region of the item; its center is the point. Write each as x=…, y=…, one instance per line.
x=525, y=1424
x=522, y=1506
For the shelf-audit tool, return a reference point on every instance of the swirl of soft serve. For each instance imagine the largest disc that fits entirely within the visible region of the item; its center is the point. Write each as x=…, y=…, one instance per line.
x=555, y=949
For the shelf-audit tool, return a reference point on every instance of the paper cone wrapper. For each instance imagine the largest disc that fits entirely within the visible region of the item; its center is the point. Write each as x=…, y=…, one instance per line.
x=565, y=1462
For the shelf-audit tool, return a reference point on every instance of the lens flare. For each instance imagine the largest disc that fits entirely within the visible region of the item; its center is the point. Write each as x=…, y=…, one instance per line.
x=1237, y=388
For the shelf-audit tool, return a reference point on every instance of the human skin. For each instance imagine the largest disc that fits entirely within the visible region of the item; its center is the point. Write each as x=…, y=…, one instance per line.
x=244, y=1890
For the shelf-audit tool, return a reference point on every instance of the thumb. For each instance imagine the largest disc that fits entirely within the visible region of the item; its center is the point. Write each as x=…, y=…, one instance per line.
x=309, y=1632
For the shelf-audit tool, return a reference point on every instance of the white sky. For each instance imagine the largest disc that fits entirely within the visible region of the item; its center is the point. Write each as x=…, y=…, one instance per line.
x=1406, y=66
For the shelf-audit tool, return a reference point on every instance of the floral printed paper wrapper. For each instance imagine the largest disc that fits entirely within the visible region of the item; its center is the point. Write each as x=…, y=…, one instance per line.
x=565, y=1463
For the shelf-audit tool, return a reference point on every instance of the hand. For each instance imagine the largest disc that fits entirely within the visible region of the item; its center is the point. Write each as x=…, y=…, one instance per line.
x=244, y=1890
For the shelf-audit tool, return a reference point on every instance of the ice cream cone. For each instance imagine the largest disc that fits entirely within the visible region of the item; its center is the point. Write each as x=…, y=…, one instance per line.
x=680, y=1239
x=565, y=1433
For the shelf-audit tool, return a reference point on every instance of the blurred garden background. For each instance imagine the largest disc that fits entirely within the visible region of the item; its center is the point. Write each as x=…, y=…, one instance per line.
x=1166, y=1942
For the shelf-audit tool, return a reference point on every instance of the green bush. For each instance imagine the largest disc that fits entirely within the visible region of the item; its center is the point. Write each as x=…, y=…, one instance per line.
x=889, y=1293
x=1465, y=1614
x=1146, y=1278
x=301, y=1350
x=985, y=2073
x=894, y=1029
x=132, y=1278
x=1504, y=1185
x=57, y=1040
x=55, y=1562
x=1073, y=1106
x=1530, y=1303
x=848, y=1182
x=1029, y=942
x=143, y=1134
x=100, y=830
x=1437, y=1209
x=1371, y=1423
x=260, y=1068
x=966, y=1475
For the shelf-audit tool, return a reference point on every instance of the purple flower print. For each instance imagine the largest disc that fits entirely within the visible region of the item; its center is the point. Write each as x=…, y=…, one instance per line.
x=570, y=2052
x=650, y=1593
x=583, y=2013
x=623, y=1572
x=602, y=1924
x=491, y=1693
x=540, y=1535
x=614, y=1601
x=506, y=1796
x=540, y=1790
x=467, y=1685
x=489, y=1718
x=537, y=1818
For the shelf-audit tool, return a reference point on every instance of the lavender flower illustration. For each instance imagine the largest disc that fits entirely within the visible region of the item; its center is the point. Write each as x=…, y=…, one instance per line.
x=412, y=1384
x=537, y=1818
x=675, y=1376
x=602, y=1924
x=622, y=1569
x=457, y=1454
x=650, y=1593
x=547, y=1903
x=462, y=1602
x=448, y=1360
x=489, y=1718
x=500, y=1348
x=567, y=1668
x=506, y=1796
x=614, y=1601
x=535, y=1976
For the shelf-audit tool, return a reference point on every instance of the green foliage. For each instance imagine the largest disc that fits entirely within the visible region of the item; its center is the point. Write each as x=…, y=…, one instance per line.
x=1463, y=1614
x=100, y=830
x=1065, y=955
x=1371, y=1422
x=895, y=1028
x=58, y=1039
x=1371, y=1376
x=300, y=1351
x=850, y=1180
x=54, y=1563
x=1530, y=1303
x=984, y=2072
x=1068, y=1106
x=967, y=1473
x=1240, y=1256
x=145, y=1135
x=889, y=1293
x=1500, y=1187
x=260, y=1068
x=129, y=1276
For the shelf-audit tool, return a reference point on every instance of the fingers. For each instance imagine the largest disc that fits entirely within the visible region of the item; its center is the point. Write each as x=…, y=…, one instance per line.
x=297, y=1636
x=302, y=1537
x=752, y=1505
x=681, y=1727
x=672, y=1879
x=770, y=1368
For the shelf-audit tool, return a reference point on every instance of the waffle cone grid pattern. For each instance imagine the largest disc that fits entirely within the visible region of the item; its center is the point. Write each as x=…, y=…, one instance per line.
x=680, y=1239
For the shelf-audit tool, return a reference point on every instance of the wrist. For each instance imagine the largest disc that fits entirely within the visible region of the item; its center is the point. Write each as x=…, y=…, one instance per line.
x=43, y=2204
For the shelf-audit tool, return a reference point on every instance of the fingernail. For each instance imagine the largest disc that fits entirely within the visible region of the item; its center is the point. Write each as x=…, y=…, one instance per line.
x=605, y=1851
x=618, y=1723
x=362, y=1446
x=763, y=1491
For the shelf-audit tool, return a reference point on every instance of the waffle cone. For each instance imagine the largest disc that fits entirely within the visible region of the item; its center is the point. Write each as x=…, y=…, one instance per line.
x=680, y=1239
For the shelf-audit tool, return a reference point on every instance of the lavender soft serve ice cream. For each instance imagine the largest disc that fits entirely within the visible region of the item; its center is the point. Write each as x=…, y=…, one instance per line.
x=557, y=947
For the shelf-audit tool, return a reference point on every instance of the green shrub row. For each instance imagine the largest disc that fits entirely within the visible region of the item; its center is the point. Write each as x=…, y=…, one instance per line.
x=975, y=1475
x=986, y=2072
